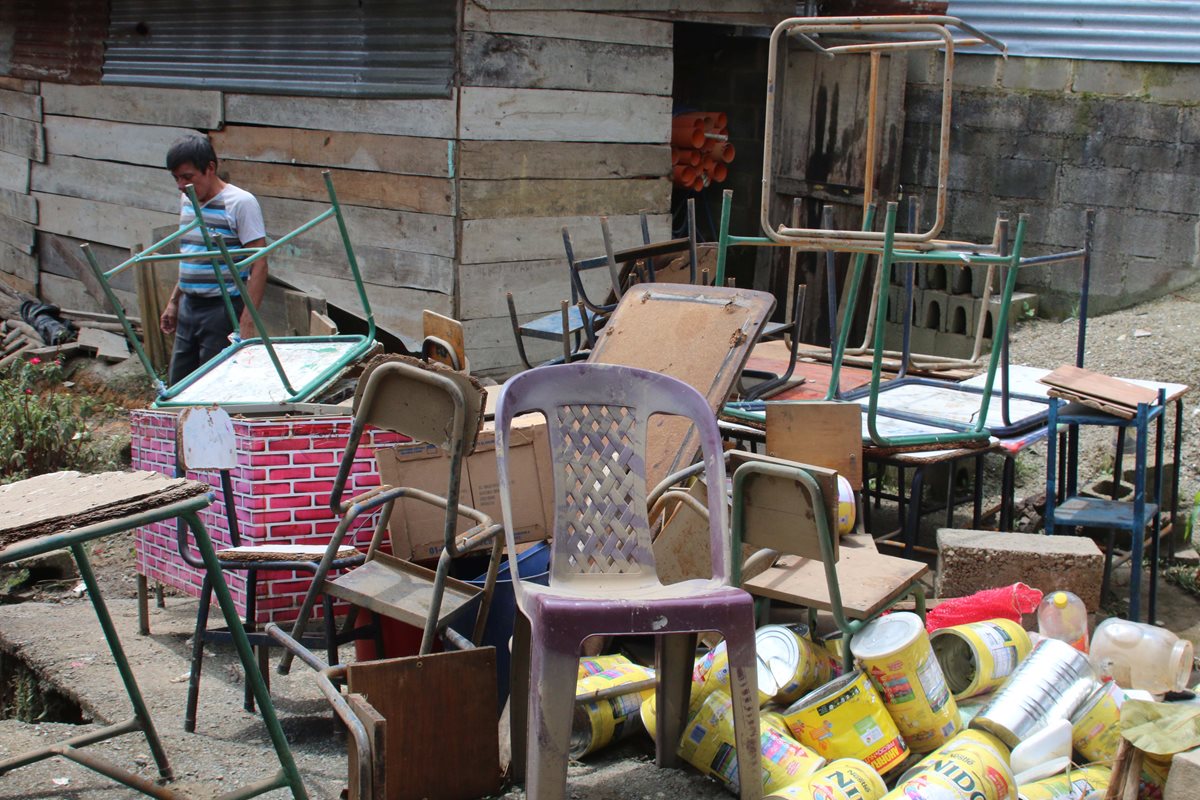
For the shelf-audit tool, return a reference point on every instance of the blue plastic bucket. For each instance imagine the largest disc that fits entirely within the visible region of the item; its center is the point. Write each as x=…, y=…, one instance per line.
x=534, y=566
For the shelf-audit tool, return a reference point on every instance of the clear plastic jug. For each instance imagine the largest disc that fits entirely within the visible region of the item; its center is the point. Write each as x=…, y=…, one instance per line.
x=1063, y=616
x=1140, y=656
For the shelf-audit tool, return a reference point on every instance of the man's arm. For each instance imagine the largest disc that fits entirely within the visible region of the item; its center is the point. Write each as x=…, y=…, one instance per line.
x=170, y=315
x=256, y=287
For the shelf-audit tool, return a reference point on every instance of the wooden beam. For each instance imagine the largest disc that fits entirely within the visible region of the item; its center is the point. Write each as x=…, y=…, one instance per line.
x=433, y=118
x=18, y=85
x=127, y=142
x=569, y=25
x=554, y=115
x=409, y=155
x=186, y=108
x=535, y=62
x=680, y=6
x=579, y=160
x=354, y=187
x=22, y=137
x=107, y=181
x=549, y=198
x=19, y=264
x=533, y=238
x=95, y=221
x=21, y=104
x=395, y=230
x=538, y=287
x=378, y=265
x=70, y=293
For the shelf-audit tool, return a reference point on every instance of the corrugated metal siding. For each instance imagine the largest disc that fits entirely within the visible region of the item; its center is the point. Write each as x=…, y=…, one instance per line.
x=342, y=48
x=1111, y=30
x=56, y=40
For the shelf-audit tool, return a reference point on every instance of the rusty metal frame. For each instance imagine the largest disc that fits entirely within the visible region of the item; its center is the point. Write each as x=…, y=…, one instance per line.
x=804, y=27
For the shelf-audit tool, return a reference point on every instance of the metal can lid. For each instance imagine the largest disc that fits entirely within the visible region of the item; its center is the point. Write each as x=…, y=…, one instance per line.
x=822, y=693
x=886, y=635
x=778, y=653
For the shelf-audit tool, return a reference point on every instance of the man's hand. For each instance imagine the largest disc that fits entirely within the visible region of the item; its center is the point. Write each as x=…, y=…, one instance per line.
x=170, y=317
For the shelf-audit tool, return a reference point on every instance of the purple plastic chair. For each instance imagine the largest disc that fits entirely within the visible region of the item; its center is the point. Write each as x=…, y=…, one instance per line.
x=602, y=574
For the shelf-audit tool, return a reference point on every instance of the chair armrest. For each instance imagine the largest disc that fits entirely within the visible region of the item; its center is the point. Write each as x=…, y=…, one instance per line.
x=682, y=496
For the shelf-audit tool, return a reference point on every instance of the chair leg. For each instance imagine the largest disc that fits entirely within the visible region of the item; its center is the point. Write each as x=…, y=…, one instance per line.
x=674, y=656
x=552, y=678
x=143, y=604
x=331, y=637
x=251, y=613
x=189, y=717
x=743, y=684
x=518, y=697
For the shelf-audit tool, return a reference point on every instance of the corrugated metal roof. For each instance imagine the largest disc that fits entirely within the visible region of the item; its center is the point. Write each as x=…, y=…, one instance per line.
x=344, y=48
x=1110, y=30
x=56, y=40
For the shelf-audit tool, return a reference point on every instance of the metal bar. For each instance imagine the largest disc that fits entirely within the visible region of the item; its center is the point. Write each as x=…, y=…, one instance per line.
x=619, y=690
x=830, y=278
x=258, y=323
x=922, y=44
x=854, y=279
x=723, y=238
x=350, y=257
x=872, y=131
x=614, y=273
x=50, y=751
x=163, y=257
x=183, y=229
x=120, y=312
x=289, y=775
x=115, y=773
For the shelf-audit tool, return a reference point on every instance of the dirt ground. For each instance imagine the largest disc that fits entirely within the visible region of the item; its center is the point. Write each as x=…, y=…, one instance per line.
x=56, y=632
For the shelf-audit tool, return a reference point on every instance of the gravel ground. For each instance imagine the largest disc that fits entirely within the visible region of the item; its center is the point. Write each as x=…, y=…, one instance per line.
x=230, y=747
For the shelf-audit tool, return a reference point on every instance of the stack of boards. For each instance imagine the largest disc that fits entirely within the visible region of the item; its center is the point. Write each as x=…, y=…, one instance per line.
x=1096, y=390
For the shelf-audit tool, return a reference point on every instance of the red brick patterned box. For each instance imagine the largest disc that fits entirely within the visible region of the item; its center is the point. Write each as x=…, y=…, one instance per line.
x=281, y=487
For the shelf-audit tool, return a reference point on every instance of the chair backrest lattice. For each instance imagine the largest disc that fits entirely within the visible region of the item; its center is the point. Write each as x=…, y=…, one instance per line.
x=602, y=514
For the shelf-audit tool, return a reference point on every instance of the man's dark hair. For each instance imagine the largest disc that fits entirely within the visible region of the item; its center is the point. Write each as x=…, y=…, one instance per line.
x=194, y=149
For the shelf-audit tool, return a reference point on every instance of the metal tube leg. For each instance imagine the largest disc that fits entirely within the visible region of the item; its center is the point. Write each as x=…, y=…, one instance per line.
x=518, y=698
x=1176, y=457
x=141, y=713
x=290, y=776
x=1007, y=489
x=189, y=716
x=251, y=604
x=143, y=603
x=913, y=526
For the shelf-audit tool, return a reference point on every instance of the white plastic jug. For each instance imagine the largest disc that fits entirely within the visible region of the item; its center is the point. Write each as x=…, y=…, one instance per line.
x=1063, y=616
x=1140, y=656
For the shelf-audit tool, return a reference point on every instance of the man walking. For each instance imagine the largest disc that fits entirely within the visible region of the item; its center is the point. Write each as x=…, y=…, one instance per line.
x=196, y=313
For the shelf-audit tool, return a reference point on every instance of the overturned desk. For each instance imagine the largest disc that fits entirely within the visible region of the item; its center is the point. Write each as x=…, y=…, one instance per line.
x=67, y=510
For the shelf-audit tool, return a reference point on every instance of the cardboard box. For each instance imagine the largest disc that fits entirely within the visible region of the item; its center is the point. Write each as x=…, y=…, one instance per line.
x=417, y=528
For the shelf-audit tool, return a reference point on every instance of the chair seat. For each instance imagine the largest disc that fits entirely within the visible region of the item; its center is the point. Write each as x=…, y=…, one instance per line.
x=1094, y=512
x=549, y=326
x=868, y=581
x=401, y=590
x=283, y=552
x=620, y=593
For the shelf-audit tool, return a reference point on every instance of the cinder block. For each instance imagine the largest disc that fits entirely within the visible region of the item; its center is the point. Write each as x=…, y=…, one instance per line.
x=1108, y=77
x=962, y=314
x=932, y=310
x=969, y=561
x=932, y=276
x=1037, y=74
x=1183, y=781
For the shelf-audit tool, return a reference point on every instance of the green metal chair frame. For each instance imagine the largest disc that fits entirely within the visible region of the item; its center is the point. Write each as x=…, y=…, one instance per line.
x=219, y=255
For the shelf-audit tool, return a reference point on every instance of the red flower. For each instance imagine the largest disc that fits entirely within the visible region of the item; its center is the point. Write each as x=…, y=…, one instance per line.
x=29, y=391
x=35, y=360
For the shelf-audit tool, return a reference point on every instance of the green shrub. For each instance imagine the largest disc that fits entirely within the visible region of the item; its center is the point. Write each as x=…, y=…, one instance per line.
x=43, y=427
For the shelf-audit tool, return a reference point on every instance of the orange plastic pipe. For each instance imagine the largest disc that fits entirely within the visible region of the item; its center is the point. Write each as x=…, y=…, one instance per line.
x=686, y=133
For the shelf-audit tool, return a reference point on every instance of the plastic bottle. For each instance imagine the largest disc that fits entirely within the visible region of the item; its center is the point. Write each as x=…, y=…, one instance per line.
x=1140, y=656
x=1063, y=616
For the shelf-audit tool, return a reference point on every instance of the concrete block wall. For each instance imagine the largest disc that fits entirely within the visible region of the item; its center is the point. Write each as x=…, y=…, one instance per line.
x=281, y=489
x=1053, y=137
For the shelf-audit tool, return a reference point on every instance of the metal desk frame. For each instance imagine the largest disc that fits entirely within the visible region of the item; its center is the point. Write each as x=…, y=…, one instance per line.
x=72, y=749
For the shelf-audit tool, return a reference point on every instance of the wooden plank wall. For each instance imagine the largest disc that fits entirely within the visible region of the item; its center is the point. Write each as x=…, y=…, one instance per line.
x=22, y=143
x=565, y=115
x=100, y=177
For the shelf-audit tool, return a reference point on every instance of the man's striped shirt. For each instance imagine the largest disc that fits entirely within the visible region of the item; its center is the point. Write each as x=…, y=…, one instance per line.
x=234, y=214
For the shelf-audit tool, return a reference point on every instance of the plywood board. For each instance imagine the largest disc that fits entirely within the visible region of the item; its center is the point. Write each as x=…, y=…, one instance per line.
x=18, y=84
x=1086, y=385
x=21, y=105
x=701, y=336
x=14, y=173
x=432, y=118
x=380, y=266
x=70, y=293
x=354, y=187
x=184, y=108
x=823, y=434
x=127, y=142
x=946, y=403
x=447, y=329
x=438, y=708
x=676, y=6
x=548, y=198
x=569, y=25
x=376, y=727
x=408, y=155
x=60, y=501
x=494, y=160
x=106, y=181
x=107, y=345
x=395, y=230
x=18, y=263
x=155, y=283
x=532, y=238
x=555, y=115
x=868, y=581
x=248, y=376
x=536, y=62
x=97, y=221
